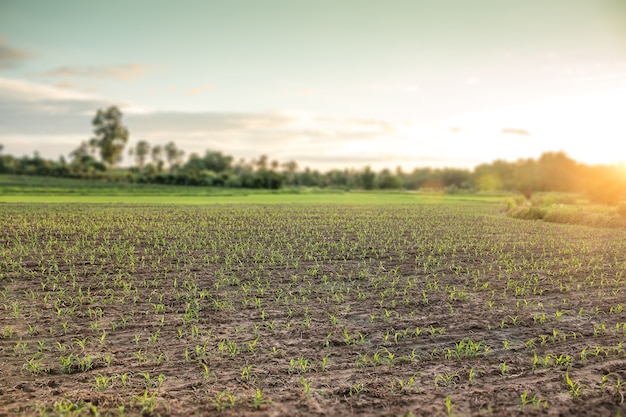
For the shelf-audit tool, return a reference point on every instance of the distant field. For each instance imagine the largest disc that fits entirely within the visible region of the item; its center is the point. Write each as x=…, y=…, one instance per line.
x=35, y=185
x=26, y=189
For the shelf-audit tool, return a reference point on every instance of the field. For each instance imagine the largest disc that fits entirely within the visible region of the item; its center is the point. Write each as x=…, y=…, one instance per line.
x=368, y=305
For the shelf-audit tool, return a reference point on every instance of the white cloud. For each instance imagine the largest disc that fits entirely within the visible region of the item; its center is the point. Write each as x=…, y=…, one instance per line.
x=41, y=117
x=118, y=72
x=28, y=108
x=18, y=90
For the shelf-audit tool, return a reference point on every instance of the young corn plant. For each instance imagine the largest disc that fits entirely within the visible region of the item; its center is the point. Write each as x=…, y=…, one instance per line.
x=447, y=379
x=307, y=387
x=575, y=388
x=534, y=401
x=259, y=399
x=102, y=382
x=504, y=369
x=246, y=373
x=405, y=386
x=356, y=389
x=300, y=365
x=34, y=366
x=325, y=362
x=224, y=400
x=147, y=402
x=449, y=406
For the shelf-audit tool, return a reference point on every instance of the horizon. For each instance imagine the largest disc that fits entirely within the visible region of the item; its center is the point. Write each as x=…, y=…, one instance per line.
x=127, y=162
x=330, y=86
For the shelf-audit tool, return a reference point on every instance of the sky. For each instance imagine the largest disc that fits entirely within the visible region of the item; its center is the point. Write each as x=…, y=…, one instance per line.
x=326, y=83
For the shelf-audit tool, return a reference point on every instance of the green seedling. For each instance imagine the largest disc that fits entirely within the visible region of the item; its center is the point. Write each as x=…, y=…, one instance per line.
x=575, y=388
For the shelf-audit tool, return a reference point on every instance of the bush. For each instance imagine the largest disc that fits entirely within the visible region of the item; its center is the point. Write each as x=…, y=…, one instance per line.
x=548, y=199
x=564, y=215
x=531, y=213
x=514, y=202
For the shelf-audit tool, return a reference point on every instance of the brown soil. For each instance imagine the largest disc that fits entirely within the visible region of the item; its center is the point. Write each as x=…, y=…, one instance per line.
x=320, y=310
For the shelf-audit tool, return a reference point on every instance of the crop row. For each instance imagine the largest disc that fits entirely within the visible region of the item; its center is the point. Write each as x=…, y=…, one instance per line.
x=251, y=307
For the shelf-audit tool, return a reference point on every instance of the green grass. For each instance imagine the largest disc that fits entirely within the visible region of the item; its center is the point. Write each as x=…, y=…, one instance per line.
x=34, y=185
x=376, y=198
x=31, y=189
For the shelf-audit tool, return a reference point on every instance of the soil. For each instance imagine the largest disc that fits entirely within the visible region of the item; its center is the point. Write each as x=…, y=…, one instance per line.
x=322, y=310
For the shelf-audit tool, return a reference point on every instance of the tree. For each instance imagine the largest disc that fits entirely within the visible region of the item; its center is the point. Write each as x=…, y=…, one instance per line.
x=290, y=169
x=527, y=177
x=110, y=134
x=212, y=161
x=83, y=160
x=261, y=163
x=387, y=180
x=558, y=172
x=142, y=149
x=368, y=177
x=173, y=155
x=157, y=157
x=80, y=153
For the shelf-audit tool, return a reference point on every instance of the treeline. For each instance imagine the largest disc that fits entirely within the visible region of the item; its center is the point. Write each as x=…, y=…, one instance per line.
x=99, y=157
x=553, y=171
x=214, y=168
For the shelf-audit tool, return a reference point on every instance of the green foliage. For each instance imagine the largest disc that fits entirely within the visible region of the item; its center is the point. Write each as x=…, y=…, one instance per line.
x=367, y=178
x=575, y=388
x=111, y=135
x=564, y=208
x=141, y=152
x=553, y=171
x=212, y=161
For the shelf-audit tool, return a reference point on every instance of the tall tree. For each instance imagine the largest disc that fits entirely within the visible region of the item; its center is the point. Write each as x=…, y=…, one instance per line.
x=290, y=169
x=142, y=149
x=173, y=155
x=157, y=157
x=110, y=134
x=368, y=177
x=261, y=163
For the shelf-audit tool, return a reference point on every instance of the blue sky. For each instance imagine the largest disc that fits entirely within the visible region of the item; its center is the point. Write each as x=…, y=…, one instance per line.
x=329, y=84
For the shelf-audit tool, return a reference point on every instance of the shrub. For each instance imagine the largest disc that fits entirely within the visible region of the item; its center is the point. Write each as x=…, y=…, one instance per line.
x=531, y=213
